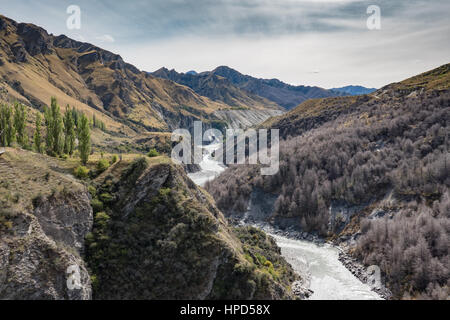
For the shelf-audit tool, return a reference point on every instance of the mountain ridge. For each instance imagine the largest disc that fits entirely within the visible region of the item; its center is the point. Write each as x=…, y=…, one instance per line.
x=217, y=89
x=286, y=95
x=35, y=66
x=270, y=90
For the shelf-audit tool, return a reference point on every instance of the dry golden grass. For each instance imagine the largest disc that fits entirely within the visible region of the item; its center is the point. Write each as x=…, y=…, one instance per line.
x=26, y=175
x=35, y=83
x=313, y=108
x=436, y=79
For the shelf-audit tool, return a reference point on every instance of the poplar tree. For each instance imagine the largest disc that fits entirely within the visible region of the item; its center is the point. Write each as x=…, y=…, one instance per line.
x=3, y=125
x=7, y=132
x=37, y=134
x=69, y=132
x=48, y=124
x=84, y=139
x=57, y=127
x=20, y=116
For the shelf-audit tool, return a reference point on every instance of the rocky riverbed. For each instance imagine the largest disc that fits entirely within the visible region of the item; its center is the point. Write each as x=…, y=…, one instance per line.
x=364, y=275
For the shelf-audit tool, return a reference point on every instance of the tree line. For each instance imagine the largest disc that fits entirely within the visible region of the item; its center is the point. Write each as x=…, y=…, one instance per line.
x=62, y=131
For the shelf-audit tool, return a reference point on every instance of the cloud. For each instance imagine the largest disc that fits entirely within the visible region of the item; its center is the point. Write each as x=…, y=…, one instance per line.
x=287, y=39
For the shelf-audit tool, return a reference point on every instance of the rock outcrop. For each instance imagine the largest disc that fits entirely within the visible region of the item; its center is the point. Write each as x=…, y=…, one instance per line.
x=159, y=236
x=42, y=230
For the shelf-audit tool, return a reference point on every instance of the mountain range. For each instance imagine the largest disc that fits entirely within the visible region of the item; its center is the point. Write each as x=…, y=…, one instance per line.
x=225, y=84
x=35, y=66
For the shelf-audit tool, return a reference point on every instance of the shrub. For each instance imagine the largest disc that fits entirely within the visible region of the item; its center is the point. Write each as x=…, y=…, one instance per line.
x=102, y=165
x=114, y=159
x=97, y=205
x=106, y=197
x=92, y=191
x=81, y=172
x=153, y=153
x=102, y=217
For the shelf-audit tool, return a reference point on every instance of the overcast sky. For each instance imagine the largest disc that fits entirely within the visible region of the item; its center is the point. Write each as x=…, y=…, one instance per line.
x=310, y=42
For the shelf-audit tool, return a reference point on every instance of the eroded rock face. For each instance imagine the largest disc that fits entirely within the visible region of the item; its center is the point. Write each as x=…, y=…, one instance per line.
x=246, y=118
x=66, y=219
x=36, y=253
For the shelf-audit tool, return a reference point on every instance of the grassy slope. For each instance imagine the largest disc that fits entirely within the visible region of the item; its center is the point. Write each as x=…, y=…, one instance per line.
x=95, y=81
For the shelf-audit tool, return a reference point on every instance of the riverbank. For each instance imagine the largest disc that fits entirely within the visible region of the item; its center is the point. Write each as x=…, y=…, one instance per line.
x=330, y=256
x=360, y=272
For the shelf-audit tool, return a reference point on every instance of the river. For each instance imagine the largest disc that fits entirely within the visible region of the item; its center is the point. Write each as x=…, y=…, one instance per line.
x=317, y=264
x=209, y=167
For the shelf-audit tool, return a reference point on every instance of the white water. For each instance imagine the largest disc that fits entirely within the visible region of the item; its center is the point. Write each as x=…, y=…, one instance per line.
x=209, y=167
x=327, y=276
x=318, y=265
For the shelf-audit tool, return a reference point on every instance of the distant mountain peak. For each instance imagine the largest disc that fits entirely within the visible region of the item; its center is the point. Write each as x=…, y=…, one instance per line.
x=283, y=94
x=354, y=90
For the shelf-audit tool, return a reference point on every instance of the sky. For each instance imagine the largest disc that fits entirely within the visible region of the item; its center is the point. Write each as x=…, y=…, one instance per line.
x=324, y=43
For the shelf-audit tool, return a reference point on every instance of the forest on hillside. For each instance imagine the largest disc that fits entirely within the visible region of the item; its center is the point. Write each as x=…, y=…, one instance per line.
x=399, y=146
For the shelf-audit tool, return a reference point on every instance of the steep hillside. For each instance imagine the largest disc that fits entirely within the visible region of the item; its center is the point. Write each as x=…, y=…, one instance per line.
x=35, y=66
x=371, y=172
x=157, y=236
x=283, y=94
x=313, y=113
x=45, y=215
x=140, y=230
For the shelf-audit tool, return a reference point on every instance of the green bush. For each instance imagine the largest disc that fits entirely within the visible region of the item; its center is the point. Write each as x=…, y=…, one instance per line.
x=92, y=191
x=153, y=153
x=81, y=172
x=97, y=205
x=106, y=197
x=102, y=165
x=114, y=159
x=101, y=217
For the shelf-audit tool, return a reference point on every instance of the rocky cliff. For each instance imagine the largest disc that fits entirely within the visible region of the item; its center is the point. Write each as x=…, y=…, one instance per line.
x=42, y=230
x=144, y=230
